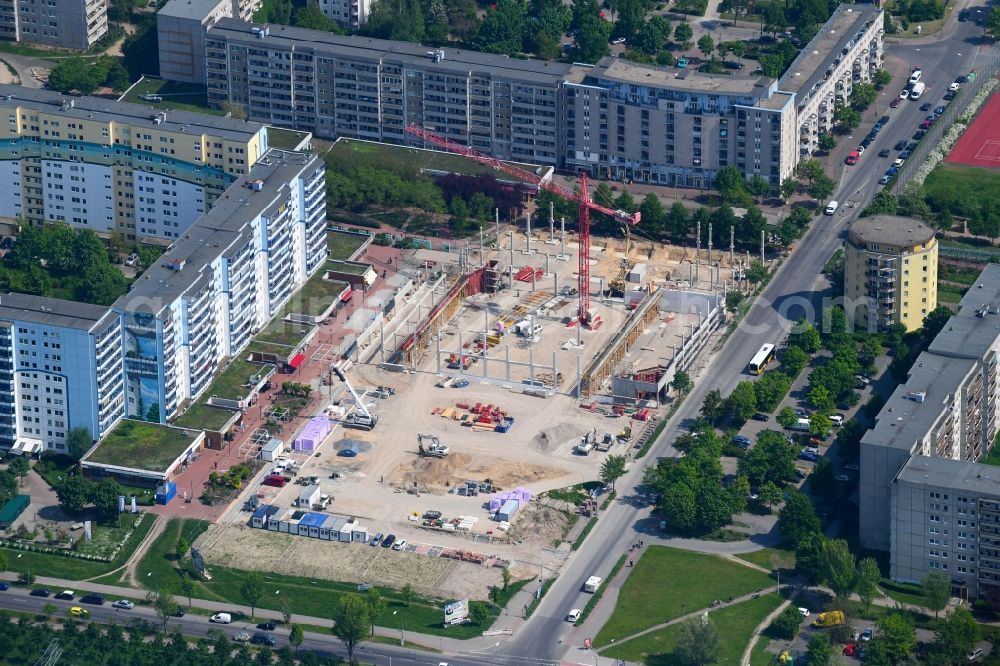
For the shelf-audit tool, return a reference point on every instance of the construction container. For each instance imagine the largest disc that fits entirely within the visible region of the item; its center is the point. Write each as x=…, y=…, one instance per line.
x=637, y=273
x=12, y=509
x=166, y=492
x=262, y=515
x=308, y=496
x=507, y=511
x=274, y=448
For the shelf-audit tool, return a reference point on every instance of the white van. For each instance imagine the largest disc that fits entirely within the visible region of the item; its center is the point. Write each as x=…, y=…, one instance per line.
x=915, y=76
x=221, y=618
x=802, y=425
x=837, y=420
x=832, y=207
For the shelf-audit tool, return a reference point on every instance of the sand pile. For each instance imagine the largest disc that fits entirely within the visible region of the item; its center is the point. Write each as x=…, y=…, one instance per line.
x=439, y=473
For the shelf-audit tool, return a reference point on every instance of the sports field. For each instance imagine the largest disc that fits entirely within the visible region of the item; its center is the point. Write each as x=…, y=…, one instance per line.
x=980, y=144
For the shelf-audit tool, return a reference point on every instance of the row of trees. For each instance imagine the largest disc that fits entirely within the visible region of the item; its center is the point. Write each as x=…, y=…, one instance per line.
x=75, y=492
x=57, y=259
x=85, y=76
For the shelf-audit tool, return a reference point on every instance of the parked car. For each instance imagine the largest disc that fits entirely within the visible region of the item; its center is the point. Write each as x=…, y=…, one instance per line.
x=742, y=441
x=7, y=243
x=242, y=637
x=263, y=639
x=926, y=125
x=66, y=595
x=843, y=478
x=905, y=155
x=93, y=599
x=926, y=106
x=883, y=153
x=884, y=179
x=573, y=615
x=904, y=94
x=761, y=416
x=4, y=586
x=883, y=120
x=919, y=134
x=388, y=541
x=899, y=162
x=732, y=64
x=895, y=102
x=939, y=110
x=123, y=604
x=266, y=626
x=132, y=259
x=179, y=612
x=376, y=540
x=853, y=156
x=868, y=634
x=950, y=96
x=40, y=592
x=975, y=654
x=808, y=456
x=432, y=515
x=963, y=16
x=804, y=611
x=399, y=545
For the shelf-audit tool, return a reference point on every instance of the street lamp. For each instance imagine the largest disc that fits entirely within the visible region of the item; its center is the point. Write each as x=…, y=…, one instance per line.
x=402, y=640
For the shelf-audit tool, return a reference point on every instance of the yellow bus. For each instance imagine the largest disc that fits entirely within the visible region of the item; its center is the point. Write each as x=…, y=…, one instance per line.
x=761, y=359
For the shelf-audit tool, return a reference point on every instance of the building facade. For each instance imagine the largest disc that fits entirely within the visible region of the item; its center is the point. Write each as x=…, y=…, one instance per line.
x=71, y=24
x=924, y=495
x=847, y=50
x=60, y=368
x=181, y=26
x=116, y=167
x=890, y=272
x=351, y=14
x=203, y=301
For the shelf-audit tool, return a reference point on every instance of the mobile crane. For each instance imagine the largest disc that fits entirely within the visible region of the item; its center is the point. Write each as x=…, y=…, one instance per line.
x=360, y=418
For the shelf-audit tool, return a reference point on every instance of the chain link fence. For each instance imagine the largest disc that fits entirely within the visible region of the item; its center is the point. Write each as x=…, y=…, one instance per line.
x=985, y=67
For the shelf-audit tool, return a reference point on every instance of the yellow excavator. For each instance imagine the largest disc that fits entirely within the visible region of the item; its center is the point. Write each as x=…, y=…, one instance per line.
x=620, y=282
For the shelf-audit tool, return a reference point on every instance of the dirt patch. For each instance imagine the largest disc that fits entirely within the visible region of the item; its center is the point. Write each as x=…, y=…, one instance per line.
x=241, y=547
x=439, y=473
x=538, y=524
x=555, y=435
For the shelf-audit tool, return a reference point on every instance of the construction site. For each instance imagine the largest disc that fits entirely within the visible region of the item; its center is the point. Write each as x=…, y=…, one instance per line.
x=496, y=373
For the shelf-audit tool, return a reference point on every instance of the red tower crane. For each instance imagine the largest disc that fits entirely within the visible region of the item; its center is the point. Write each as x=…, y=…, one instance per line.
x=583, y=198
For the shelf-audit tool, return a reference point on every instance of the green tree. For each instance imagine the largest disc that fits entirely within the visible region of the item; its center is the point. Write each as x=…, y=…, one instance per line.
x=827, y=142
x=706, y=45
x=377, y=605
x=993, y=22
x=809, y=556
x=935, y=321
x=839, y=570
x=4, y=562
x=104, y=495
x=756, y=272
x=19, y=467
x=164, y=606
x=479, y=614
x=937, y=591
x=313, y=18
x=712, y=406
x=252, y=589
x=396, y=19
x=680, y=508
x=78, y=442
x=774, y=18
x=772, y=65
x=697, y=643
x=681, y=382
x=868, y=578
x=594, y=31
x=881, y=78
x=788, y=188
x=73, y=493
x=183, y=546
x=957, y=635
x=862, y=96
x=683, y=35
x=787, y=418
x=793, y=360
x=503, y=28
x=352, y=622
x=733, y=300
x=820, y=398
x=822, y=187
x=758, y=186
x=819, y=424
x=819, y=651
x=809, y=170
x=408, y=594
x=187, y=588
x=296, y=637
x=729, y=180
x=742, y=402
x=771, y=459
x=769, y=494
x=846, y=118
x=797, y=519
x=74, y=73
x=786, y=625
x=612, y=469
x=896, y=636
x=823, y=480
x=652, y=36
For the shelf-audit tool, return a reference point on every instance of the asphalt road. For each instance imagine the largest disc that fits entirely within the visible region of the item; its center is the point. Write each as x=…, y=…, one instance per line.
x=795, y=292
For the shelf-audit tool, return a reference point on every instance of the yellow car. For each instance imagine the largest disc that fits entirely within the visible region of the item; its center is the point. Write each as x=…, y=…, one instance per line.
x=79, y=612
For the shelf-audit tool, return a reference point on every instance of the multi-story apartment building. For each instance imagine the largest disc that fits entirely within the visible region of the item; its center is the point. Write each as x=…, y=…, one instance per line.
x=617, y=119
x=221, y=282
x=890, y=272
x=351, y=14
x=627, y=121
x=72, y=24
x=112, y=166
x=924, y=497
x=60, y=368
x=180, y=30
x=847, y=50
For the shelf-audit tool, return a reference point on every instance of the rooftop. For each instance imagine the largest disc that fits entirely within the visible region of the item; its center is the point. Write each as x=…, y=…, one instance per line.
x=967, y=335
x=954, y=474
x=50, y=311
x=233, y=383
x=315, y=297
x=136, y=115
x=215, y=232
x=915, y=406
x=619, y=69
x=891, y=230
x=191, y=9
x=828, y=44
x=459, y=61
x=142, y=445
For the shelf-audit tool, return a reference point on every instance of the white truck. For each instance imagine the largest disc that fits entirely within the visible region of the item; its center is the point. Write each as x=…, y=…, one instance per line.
x=801, y=425
x=917, y=90
x=592, y=584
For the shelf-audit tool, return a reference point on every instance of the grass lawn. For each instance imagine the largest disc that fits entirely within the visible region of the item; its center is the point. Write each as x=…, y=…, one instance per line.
x=56, y=566
x=176, y=96
x=349, y=268
x=268, y=348
x=904, y=593
x=667, y=583
x=315, y=297
x=141, y=445
x=952, y=274
x=284, y=333
x=735, y=625
x=232, y=382
x=309, y=596
x=759, y=656
x=347, y=151
x=206, y=417
x=958, y=182
x=284, y=138
x=771, y=558
x=950, y=294
x=343, y=244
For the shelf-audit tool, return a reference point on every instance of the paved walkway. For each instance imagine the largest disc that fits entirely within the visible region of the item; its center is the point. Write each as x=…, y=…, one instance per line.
x=765, y=623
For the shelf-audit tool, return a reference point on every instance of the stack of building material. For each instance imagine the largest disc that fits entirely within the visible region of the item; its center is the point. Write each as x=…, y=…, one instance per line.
x=313, y=434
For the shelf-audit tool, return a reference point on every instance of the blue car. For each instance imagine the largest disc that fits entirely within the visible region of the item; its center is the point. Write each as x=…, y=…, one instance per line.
x=4, y=586
x=809, y=456
x=348, y=453
x=891, y=171
x=939, y=110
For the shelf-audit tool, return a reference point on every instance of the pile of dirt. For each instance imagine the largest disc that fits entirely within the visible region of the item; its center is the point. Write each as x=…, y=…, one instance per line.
x=555, y=435
x=438, y=473
x=538, y=524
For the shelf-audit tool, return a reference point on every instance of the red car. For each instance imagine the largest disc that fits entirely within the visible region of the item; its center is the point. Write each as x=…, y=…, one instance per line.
x=925, y=125
x=275, y=480
x=895, y=102
x=851, y=650
x=852, y=157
